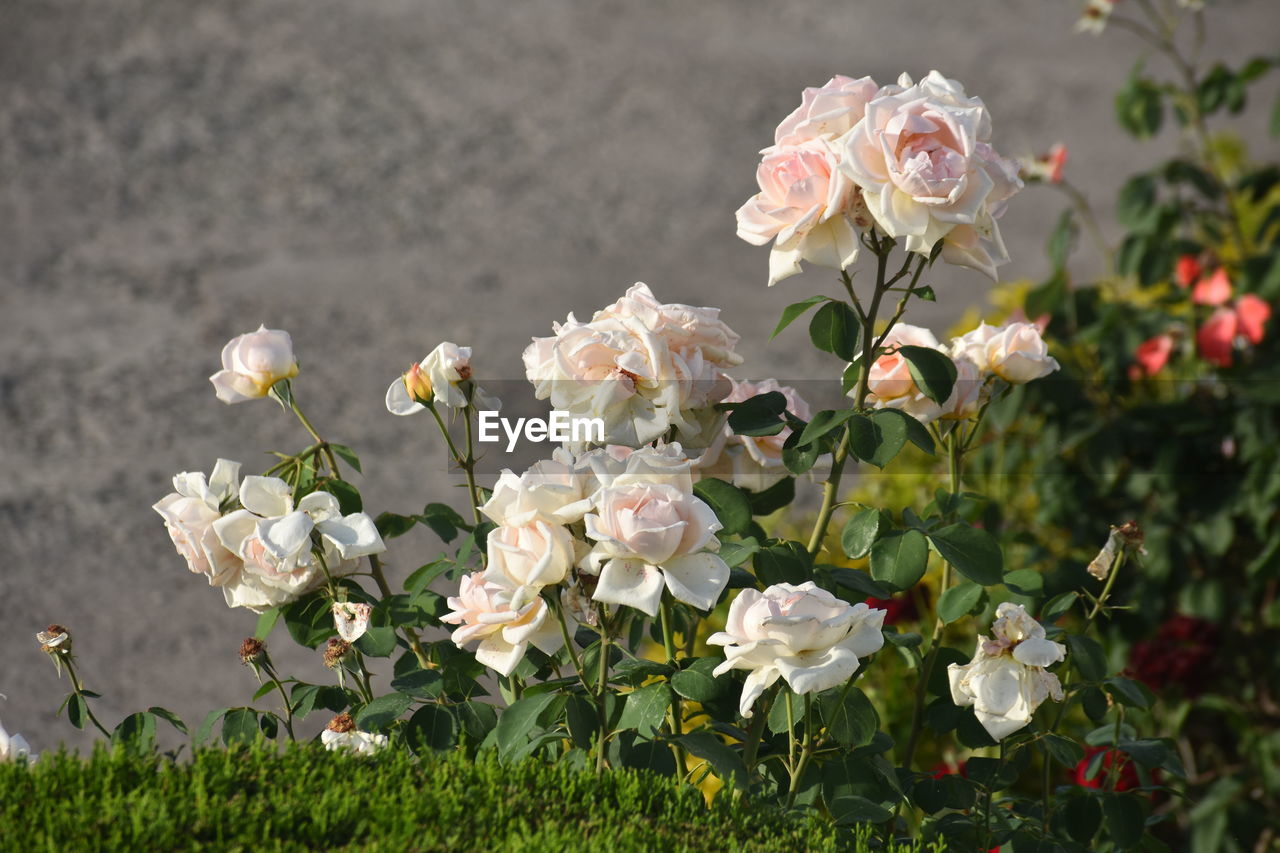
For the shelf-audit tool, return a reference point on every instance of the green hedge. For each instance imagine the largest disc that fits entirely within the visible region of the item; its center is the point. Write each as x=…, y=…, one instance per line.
x=255, y=799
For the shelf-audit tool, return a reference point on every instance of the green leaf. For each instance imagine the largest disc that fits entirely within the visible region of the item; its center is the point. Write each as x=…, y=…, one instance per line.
x=477, y=719
x=859, y=810
x=759, y=415
x=1062, y=241
x=519, y=720
x=1136, y=208
x=309, y=620
x=793, y=311
x=420, y=683
x=892, y=428
x=737, y=553
x=774, y=498
x=346, y=454
x=348, y=495
x=1126, y=820
x=443, y=519
x=377, y=642
x=915, y=431
x=900, y=558
x=432, y=727
x=860, y=533
x=728, y=502
x=169, y=717
x=390, y=525
x=382, y=712
x=645, y=709
x=424, y=575
x=240, y=725
x=1063, y=750
x=932, y=371
x=786, y=562
x=1129, y=692
x=850, y=717
x=1025, y=582
x=822, y=423
x=1082, y=816
x=834, y=329
x=136, y=733
x=723, y=759
x=960, y=601
x=974, y=553
x=696, y=682
x=1087, y=657
x=1139, y=105
x=1058, y=607
x=266, y=621
x=206, y=728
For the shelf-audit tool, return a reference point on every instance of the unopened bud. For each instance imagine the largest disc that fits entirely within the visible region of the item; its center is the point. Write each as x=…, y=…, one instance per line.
x=336, y=652
x=418, y=384
x=55, y=640
x=342, y=724
x=252, y=652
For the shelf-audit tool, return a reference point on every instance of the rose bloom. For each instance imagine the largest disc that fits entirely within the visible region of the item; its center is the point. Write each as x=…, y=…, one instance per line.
x=189, y=513
x=827, y=111
x=275, y=541
x=664, y=463
x=806, y=206
x=1187, y=271
x=748, y=461
x=890, y=385
x=341, y=734
x=1018, y=354
x=1181, y=655
x=1214, y=290
x=651, y=535
x=1245, y=323
x=529, y=557
x=484, y=611
x=351, y=620
x=551, y=490
x=801, y=634
x=437, y=379
x=640, y=366
x=1128, y=774
x=252, y=363
x=922, y=159
x=1006, y=680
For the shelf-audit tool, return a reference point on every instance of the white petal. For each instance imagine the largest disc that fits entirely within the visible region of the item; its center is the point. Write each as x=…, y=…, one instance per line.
x=956, y=675
x=814, y=672
x=697, y=579
x=223, y=480
x=630, y=582
x=1035, y=651
x=354, y=536
x=232, y=388
x=398, y=400
x=266, y=496
x=499, y=655
x=757, y=683
x=999, y=727
x=286, y=536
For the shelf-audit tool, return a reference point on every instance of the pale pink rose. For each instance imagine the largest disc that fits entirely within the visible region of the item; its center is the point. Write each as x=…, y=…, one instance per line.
x=252, y=363
x=1214, y=290
x=351, y=620
x=551, y=490
x=829, y=110
x=651, y=535
x=189, y=513
x=640, y=366
x=754, y=462
x=968, y=394
x=484, y=612
x=529, y=557
x=802, y=634
x=922, y=160
x=1018, y=354
x=806, y=206
x=889, y=382
x=972, y=345
x=438, y=379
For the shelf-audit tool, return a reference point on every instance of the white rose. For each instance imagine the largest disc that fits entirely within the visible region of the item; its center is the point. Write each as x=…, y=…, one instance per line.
x=529, y=557
x=802, y=634
x=551, y=490
x=653, y=534
x=829, y=110
x=252, y=363
x=189, y=513
x=1006, y=680
x=341, y=734
x=14, y=748
x=484, y=610
x=1018, y=354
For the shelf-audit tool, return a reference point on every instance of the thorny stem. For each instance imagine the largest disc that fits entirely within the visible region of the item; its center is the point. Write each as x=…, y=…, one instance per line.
x=410, y=635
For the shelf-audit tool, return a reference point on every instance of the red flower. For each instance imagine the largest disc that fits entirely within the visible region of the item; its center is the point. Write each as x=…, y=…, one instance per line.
x=1181, y=654
x=1188, y=270
x=1216, y=339
x=1214, y=290
x=900, y=608
x=1252, y=314
x=1125, y=781
x=1152, y=355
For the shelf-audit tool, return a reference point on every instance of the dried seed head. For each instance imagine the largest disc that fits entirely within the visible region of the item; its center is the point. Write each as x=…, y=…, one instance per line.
x=252, y=651
x=55, y=640
x=336, y=652
x=1131, y=535
x=342, y=724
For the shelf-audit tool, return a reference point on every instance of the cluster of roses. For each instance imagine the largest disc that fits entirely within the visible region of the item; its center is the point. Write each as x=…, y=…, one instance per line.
x=1015, y=353
x=1233, y=325
x=251, y=537
x=914, y=159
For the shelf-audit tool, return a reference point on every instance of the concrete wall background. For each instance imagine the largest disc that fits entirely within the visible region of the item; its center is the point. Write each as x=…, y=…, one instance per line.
x=376, y=177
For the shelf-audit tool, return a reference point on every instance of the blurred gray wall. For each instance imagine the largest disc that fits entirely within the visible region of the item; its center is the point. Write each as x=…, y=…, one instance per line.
x=377, y=176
